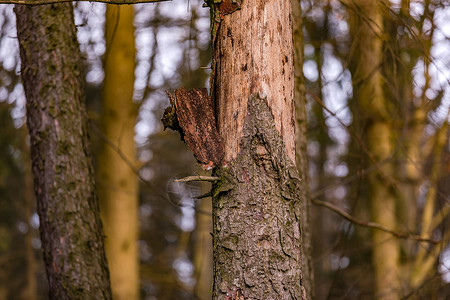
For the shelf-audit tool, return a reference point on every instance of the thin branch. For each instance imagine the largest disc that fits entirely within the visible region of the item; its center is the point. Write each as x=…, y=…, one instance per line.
x=43, y=2
x=135, y=170
x=373, y=225
x=198, y=178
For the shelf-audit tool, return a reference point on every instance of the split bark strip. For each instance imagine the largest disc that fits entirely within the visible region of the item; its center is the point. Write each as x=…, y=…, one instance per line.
x=70, y=226
x=195, y=120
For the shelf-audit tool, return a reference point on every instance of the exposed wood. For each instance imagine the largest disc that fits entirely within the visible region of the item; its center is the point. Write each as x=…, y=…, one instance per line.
x=253, y=53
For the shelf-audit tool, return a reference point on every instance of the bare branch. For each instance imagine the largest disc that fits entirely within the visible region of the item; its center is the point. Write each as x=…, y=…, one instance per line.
x=373, y=225
x=43, y=2
x=198, y=178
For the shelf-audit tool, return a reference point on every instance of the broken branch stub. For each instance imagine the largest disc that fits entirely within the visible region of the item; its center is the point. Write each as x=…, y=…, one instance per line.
x=192, y=114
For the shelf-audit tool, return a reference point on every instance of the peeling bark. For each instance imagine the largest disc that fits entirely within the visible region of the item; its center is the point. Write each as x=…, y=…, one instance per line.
x=192, y=114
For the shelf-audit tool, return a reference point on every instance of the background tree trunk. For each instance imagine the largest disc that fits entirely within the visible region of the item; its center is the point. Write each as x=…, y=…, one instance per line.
x=256, y=204
x=302, y=148
x=203, y=250
x=70, y=224
x=117, y=183
x=372, y=106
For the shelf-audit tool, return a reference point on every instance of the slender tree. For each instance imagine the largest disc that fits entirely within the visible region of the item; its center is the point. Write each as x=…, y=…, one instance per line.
x=70, y=226
x=301, y=147
x=373, y=122
x=117, y=183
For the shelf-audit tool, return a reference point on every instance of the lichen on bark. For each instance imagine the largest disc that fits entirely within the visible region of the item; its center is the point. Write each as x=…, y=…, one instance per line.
x=257, y=230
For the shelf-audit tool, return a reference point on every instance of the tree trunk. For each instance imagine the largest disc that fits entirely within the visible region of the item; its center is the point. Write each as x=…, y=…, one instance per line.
x=203, y=250
x=301, y=148
x=70, y=224
x=256, y=204
x=30, y=290
x=117, y=183
x=371, y=110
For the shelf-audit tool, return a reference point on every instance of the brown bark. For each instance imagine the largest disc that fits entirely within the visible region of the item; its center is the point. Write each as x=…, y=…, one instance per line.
x=301, y=147
x=70, y=224
x=30, y=290
x=196, y=123
x=256, y=214
x=256, y=204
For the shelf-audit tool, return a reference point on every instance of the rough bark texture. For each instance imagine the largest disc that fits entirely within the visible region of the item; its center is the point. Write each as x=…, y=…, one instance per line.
x=70, y=224
x=117, y=183
x=256, y=210
x=257, y=234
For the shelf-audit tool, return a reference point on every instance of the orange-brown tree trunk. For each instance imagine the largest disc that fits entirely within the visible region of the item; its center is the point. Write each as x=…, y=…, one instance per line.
x=371, y=109
x=117, y=182
x=256, y=203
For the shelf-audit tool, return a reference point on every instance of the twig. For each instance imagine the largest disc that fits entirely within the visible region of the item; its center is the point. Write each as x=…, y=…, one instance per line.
x=43, y=2
x=353, y=220
x=198, y=178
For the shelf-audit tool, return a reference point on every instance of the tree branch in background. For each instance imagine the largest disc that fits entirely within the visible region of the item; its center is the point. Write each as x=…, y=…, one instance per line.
x=373, y=225
x=43, y=2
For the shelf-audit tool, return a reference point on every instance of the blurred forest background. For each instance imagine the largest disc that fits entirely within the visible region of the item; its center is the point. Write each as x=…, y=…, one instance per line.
x=377, y=82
